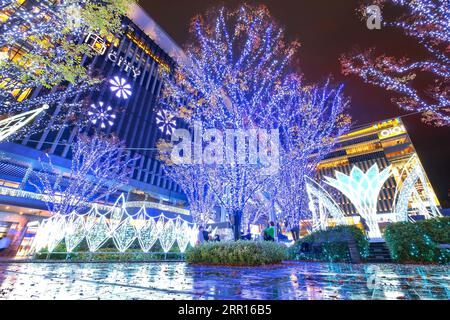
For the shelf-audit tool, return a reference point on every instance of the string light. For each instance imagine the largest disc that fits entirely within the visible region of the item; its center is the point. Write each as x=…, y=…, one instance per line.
x=238, y=78
x=427, y=22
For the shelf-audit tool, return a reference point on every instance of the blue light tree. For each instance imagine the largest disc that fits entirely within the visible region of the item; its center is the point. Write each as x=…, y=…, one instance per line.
x=237, y=76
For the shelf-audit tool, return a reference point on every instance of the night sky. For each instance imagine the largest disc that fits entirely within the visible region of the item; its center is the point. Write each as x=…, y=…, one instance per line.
x=326, y=30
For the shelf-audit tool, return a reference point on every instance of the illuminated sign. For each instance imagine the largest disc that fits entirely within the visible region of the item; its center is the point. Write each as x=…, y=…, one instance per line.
x=99, y=45
x=392, y=132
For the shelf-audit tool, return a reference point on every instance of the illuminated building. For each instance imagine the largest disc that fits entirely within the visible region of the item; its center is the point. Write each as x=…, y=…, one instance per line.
x=129, y=95
x=407, y=192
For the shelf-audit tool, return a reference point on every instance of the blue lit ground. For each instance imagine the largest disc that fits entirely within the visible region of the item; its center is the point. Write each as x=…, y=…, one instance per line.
x=180, y=281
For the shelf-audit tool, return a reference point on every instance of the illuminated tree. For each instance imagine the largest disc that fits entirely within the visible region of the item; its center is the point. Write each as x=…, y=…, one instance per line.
x=427, y=22
x=99, y=167
x=313, y=118
x=41, y=46
x=194, y=181
x=236, y=77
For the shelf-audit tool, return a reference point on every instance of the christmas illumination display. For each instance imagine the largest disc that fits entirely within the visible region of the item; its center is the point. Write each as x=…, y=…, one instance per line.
x=363, y=190
x=413, y=191
x=193, y=180
x=427, y=22
x=10, y=125
x=315, y=117
x=324, y=209
x=121, y=88
x=40, y=41
x=166, y=122
x=238, y=78
x=101, y=114
x=117, y=224
x=99, y=167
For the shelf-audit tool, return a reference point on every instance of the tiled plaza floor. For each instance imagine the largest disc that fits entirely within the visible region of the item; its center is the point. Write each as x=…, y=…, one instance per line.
x=179, y=281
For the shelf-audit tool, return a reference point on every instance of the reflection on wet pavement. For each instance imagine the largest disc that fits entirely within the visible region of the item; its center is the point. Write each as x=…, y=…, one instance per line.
x=291, y=281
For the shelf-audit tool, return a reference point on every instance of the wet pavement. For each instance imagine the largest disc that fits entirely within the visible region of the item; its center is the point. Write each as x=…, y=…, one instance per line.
x=154, y=281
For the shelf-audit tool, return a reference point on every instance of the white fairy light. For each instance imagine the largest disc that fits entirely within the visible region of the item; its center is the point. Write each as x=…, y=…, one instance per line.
x=74, y=232
x=124, y=235
x=168, y=236
x=183, y=234
x=414, y=188
x=98, y=234
x=116, y=224
x=121, y=88
x=322, y=206
x=149, y=233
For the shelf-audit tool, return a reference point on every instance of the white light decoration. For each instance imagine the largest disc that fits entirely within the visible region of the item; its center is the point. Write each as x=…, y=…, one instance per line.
x=149, y=234
x=55, y=232
x=363, y=190
x=124, y=235
x=414, y=190
x=322, y=206
x=116, y=224
x=183, y=232
x=98, y=234
x=75, y=232
x=11, y=125
x=120, y=87
x=101, y=114
x=166, y=122
x=168, y=236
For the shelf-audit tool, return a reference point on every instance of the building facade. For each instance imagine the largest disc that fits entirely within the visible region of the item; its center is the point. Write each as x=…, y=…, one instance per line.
x=383, y=144
x=132, y=62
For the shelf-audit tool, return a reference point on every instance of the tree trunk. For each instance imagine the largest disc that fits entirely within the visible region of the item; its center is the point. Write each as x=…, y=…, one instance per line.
x=237, y=215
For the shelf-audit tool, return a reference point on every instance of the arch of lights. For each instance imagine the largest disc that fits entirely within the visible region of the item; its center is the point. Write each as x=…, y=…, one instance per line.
x=117, y=224
x=322, y=206
x=414, y=189
x=363, y=190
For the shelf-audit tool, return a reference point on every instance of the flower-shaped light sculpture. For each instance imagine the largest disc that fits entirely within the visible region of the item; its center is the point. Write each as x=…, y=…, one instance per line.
x=120, y=87
x=100, y=113
x=363, y=190
x=166, y=122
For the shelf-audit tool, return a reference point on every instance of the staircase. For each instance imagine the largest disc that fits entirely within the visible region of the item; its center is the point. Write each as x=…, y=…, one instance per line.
x=379, y=253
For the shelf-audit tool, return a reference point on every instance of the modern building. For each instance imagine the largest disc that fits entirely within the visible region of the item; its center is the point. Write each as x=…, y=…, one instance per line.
x=132, y=62
x=383, y=144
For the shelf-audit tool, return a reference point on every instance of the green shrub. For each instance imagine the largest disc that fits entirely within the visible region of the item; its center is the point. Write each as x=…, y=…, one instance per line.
x=332, y=244
x=419, y=242
x=240, y=253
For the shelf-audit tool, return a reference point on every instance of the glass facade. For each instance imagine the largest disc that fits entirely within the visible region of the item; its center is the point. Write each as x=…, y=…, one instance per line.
x=135, y=59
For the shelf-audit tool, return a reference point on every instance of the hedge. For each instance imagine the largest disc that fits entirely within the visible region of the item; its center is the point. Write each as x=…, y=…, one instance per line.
x=419, y=242
x=332, y=244
x=240, y=253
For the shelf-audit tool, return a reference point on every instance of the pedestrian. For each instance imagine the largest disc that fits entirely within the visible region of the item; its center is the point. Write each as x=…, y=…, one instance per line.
x=269, y=232
x=4, y=243
x=200, y=236
x=206, y=235
x=295, y=230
